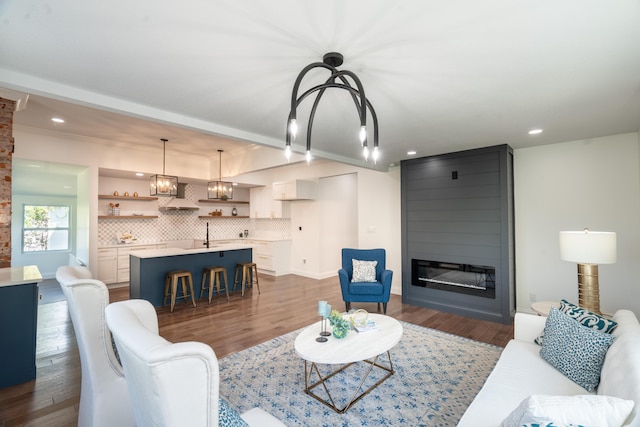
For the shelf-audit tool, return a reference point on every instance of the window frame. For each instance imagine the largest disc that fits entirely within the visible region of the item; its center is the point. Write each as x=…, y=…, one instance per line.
x=26, y=229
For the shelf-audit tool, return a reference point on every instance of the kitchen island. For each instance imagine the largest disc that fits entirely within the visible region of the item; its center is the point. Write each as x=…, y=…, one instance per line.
x=18, y=324
x=148, y=269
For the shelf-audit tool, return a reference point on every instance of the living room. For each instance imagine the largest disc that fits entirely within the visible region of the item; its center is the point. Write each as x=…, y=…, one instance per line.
x=481, y=81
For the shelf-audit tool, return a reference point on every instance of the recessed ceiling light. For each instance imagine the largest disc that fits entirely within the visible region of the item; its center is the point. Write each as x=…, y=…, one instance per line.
x=235, y=183
x=57, y=120
x=67, y=187
x=535, y=131
x=139, y=174
x=411, y=153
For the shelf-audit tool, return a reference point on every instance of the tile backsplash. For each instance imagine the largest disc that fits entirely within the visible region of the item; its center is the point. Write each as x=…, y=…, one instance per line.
x=182, y=225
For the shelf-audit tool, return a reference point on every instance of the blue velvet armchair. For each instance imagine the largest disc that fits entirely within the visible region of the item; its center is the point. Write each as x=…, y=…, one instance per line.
x=365, y=291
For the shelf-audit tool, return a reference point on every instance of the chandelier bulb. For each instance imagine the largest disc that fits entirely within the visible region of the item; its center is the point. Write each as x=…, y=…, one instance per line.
x=366, y=153
x=363, y=134
x=308, y=156
x=287, y=152
x=375, y=155
x=293, y=128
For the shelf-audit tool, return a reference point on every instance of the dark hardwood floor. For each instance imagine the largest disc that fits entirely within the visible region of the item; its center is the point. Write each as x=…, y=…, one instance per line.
x=286, y=303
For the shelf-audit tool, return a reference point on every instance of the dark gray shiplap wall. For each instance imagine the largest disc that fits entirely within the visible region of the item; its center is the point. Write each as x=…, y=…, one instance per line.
x=458, y=207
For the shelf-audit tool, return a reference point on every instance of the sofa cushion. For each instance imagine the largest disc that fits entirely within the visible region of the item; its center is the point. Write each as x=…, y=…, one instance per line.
x=573, y=349
x=585, y=318
x=364, y=271
x=520, y=372
x=585, y=410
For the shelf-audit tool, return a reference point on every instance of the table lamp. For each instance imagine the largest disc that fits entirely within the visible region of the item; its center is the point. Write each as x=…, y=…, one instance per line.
x=588, y=249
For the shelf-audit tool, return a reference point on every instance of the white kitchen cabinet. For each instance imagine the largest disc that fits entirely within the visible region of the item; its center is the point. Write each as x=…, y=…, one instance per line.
x=123, y=259
x=108, y=265
x=272, y=258
x=294, y=190
x=264, y=206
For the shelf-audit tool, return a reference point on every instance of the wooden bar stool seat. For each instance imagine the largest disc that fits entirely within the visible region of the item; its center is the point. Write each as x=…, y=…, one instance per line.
x=213, y=273
x=171, y=287
x=249, y=275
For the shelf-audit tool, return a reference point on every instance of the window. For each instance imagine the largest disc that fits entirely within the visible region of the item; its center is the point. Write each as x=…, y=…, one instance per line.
x=45, y=228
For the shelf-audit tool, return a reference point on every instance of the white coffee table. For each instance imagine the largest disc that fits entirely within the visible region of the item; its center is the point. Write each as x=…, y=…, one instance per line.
x=364, y=347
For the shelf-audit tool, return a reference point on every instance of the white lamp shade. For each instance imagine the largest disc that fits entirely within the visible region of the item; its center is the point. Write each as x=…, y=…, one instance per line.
x=588, y=247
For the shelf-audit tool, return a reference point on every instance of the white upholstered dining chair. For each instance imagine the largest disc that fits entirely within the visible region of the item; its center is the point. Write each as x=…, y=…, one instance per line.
x=104, y=397
x=171, y=384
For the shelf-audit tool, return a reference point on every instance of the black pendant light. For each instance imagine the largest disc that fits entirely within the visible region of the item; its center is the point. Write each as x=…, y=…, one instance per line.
x=220, y=190
x=163, y=185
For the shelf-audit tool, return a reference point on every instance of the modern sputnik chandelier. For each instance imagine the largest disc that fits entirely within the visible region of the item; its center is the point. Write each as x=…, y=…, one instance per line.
x=339, y=79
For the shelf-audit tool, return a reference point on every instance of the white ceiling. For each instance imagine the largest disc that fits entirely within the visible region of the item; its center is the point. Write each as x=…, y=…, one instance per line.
x=442, y=76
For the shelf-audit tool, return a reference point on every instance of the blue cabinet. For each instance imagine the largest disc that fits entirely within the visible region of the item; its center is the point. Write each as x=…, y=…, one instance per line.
x=147, y=274
x=18, y=325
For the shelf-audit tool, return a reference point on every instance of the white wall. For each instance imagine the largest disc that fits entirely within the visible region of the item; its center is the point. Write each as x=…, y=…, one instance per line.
x=592, y=183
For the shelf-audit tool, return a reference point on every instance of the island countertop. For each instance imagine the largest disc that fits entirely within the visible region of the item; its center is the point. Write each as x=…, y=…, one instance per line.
x=11, y=276
x=166, y=252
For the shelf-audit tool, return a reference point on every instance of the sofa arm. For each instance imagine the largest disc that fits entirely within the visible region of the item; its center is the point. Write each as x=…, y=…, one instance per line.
x=527, y=327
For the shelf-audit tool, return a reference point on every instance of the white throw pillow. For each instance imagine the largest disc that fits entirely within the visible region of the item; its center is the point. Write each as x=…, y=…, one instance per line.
x=585, y=410
x=364, y=271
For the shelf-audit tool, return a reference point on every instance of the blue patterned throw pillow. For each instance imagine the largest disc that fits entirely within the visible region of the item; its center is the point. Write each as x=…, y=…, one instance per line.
x=228, y=417
x=573, y=349
x=585, y=318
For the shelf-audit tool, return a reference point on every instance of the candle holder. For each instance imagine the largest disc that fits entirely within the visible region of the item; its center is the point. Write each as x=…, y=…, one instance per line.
x=324, y=310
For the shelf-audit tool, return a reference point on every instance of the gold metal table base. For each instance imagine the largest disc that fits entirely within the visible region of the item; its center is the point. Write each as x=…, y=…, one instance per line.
x=310, y=368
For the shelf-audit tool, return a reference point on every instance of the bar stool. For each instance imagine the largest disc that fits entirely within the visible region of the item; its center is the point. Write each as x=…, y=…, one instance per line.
x=213, y=273
x=171, y=286
x=249, y=275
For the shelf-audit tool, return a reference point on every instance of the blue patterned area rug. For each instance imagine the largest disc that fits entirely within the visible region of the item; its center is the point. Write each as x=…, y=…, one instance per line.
x=437, y=375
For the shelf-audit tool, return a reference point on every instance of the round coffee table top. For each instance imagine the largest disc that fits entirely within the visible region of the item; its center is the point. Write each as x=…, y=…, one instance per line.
x=356, y=346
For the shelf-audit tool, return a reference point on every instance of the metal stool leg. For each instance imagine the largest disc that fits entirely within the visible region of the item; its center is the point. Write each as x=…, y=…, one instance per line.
x=189, y=279
x=226, y=283
x=174, y=290
x=254, y=269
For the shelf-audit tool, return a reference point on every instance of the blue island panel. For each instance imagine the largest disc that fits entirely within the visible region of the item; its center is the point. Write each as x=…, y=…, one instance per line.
x=147, y=275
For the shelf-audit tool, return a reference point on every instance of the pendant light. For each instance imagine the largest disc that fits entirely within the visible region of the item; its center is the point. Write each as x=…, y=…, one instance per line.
x=163, y=185
x=220, y=190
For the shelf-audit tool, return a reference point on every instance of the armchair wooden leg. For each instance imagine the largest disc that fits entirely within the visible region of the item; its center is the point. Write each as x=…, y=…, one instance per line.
x=347, y=305
x=384, y=308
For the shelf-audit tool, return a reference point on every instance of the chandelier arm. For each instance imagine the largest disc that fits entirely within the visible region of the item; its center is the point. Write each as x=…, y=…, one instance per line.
x=296, y=85
x=322, y=88
x=312, y=115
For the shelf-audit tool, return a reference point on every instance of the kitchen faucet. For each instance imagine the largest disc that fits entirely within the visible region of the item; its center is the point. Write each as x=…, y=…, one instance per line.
x=206, y=242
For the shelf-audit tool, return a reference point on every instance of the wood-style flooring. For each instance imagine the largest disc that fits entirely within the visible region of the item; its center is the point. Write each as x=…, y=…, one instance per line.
x=286, y=303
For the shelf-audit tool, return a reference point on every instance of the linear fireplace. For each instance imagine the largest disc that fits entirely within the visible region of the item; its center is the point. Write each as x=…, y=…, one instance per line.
x=477, y=280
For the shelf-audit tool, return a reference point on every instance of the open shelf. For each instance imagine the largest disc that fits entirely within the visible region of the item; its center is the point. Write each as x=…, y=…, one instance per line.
x=228, y=202
x=126, y=216
x=217, y=217
x=110, y=196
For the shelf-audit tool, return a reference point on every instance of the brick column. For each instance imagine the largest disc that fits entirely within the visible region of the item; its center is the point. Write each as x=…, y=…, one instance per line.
x=7, y=108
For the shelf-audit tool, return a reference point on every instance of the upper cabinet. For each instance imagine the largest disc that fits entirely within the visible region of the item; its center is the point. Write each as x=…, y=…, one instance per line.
x=294, y=190
x=263, y=205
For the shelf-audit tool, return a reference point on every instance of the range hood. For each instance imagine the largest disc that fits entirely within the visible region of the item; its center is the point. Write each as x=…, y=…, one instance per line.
x=179, y=203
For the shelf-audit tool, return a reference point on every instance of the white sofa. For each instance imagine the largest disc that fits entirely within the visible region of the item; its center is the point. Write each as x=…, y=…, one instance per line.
x=522, y=372
x=104, y=398
x=170, y=384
